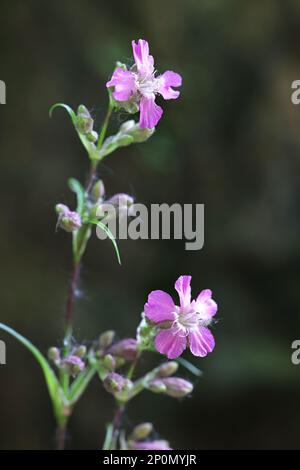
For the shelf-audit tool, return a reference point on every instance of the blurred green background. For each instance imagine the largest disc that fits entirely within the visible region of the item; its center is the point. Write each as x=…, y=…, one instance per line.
x=232, y=142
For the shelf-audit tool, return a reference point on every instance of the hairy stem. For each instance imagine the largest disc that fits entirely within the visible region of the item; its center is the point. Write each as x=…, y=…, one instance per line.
x=91, y=176
x=71, y=302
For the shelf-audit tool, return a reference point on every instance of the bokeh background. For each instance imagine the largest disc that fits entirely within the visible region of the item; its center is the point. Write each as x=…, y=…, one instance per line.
x=232, y=142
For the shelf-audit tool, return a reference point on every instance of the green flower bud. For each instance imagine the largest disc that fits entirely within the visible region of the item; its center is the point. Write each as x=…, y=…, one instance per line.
x=130, y=106
x=80, y=351
x=106, y=339
x=168, y=368
x=54, y=355
x=133, y=129
x=83, y=110
x=157, y=386
x=84, y=124
x=92, y=136
x=109, y=362
x=141, y=431
x=98, y=190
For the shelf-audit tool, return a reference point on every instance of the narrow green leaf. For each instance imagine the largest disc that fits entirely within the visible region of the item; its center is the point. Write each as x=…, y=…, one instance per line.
x=110, y=236
x=77, y=188
x=108, y=437
x=89, y=146
x=54, y=389
x=189, y=366
x=80, y=384
x=67, y=108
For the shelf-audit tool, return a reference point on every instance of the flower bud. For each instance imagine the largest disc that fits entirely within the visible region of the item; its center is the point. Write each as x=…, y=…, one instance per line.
x=109, y=362
x=127, y=348
x=83, y=110
x=84, y=121
x=106, y=339
x=141, y=431
x=92, y=136
x=121, y=200
x=133, y=129
x=168, y=368
x=80, y=351
x=130, y=106
x=54, y=355
x=177, y=387
x=68, y=220
x=98, y=190
x=61, y=209
x=157, y=386
x=114, y=383
x=73, y=365
x=122, y=203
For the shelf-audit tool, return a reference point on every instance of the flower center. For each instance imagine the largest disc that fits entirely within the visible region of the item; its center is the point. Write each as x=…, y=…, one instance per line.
x=147, y=85
x=186, y=321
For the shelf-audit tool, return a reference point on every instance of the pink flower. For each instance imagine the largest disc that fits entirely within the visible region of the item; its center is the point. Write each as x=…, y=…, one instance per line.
x=140, y=84
x=185, y=325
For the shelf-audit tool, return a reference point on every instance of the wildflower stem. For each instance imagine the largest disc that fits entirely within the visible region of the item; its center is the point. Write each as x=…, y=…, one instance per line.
x=133, y=366
x=91, y=176
x=61, y=434
x=70, y=303
x=118, y=415
x=105, y=124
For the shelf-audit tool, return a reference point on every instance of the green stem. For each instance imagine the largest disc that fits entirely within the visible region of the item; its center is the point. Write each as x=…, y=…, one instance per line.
x=133, y=366
x=105, y=124
x=108, y=437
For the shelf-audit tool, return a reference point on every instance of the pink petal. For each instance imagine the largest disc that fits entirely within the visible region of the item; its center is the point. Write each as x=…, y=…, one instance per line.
x=167, y=80
x=124, y=83
x=150, y=113
x=160, y=307
x=170, y=343
x=205, y=305
x=144, y=61
x=183, y=287
x=201, y=341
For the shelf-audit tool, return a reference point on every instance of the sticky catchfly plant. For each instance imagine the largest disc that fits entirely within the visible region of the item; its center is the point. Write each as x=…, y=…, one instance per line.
x=165, y=327
x=184, y=325
x=140, y=85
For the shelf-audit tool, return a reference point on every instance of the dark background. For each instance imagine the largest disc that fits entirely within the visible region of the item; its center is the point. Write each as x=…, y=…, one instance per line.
x=232, y=142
